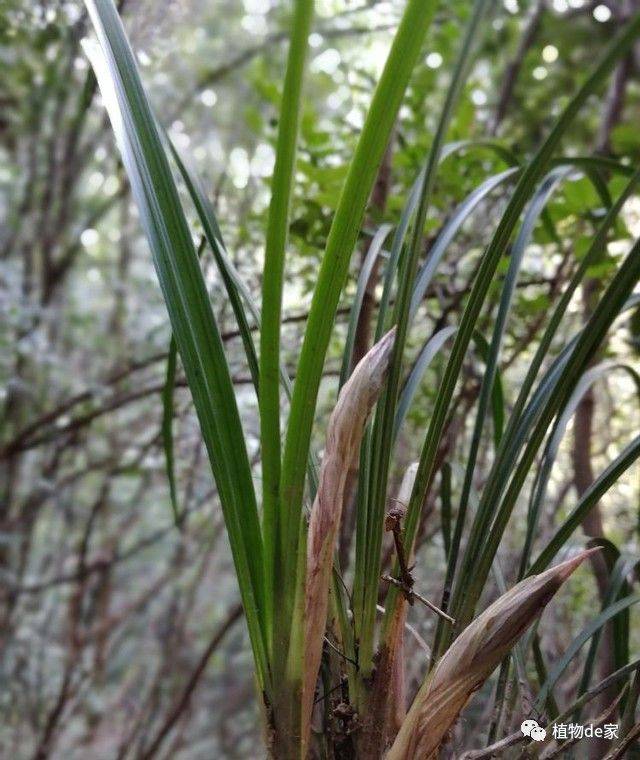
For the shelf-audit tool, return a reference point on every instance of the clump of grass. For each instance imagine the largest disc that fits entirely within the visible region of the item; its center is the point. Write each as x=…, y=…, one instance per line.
x=285, y=569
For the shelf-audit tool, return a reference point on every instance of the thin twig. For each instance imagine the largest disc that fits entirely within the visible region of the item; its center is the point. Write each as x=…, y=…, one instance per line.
x=183, y=702
x=412, y=631
x=327, y=693
x=494, y=749
x=410, y=593
x=620, y=750
x=562, y=748
x=339, y=652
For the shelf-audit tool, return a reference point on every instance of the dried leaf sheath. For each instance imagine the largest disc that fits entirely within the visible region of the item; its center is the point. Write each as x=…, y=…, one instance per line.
x=344, y=434
x=471, y=659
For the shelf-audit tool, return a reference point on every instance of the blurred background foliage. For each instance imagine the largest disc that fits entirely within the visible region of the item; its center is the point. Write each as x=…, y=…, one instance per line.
x=106, y=608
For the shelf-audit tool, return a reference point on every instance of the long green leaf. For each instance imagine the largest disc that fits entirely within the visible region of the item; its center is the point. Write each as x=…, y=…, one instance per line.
x=192, y=320
x=551, y=449
x=272, y=283
x=373, y=253
x=384, y=421
x=524, y=417
x=450, y=228
x=529, y=178
x=430, y=349
x=619, y=568
x=578, y=642
x=167, y=419
x=598, y=488
x=343, y=234
x=449, y=231
x=239, y=295
x=233, y=284
x=609, y=307
x=531, y=216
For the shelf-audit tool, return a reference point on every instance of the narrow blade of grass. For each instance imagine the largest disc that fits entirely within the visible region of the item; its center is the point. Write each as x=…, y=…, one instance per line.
x=272, y=284
x=192, y=320
x=167, y=426
x=373, y=253
x=612, y=303
x=553, y=445
x=598, y=488
x=384, y=422
x=534, y=171
x=372, y=143
x=579, y=641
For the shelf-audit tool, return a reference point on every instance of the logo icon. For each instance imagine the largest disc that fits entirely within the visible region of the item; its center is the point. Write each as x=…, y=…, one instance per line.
x=531, y=728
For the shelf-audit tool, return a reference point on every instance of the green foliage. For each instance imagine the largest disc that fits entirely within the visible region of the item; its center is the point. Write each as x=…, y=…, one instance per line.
x=549, y=200
x=194, y=327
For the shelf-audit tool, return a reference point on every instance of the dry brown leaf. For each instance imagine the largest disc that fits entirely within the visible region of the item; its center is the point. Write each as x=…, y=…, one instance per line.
x=471, y=659
x=344, y=434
